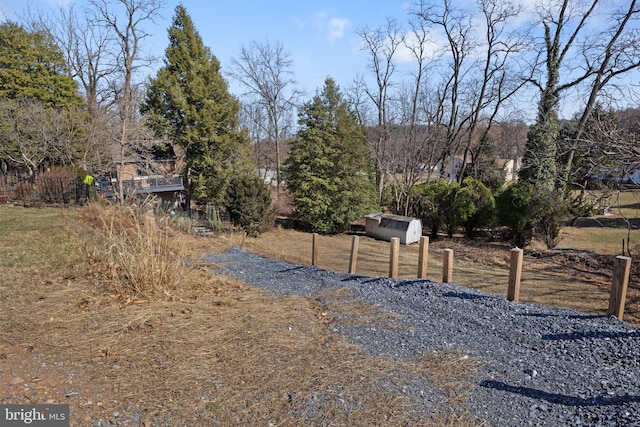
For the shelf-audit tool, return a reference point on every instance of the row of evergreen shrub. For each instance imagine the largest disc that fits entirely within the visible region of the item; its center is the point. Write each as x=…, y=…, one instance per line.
x=519, y=209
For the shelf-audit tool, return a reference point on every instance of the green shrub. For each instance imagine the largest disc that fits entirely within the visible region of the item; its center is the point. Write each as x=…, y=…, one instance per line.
x=456, y=206
x=515, y=212
x=527, y=211
x=551, y=209
x=484, y=213
x=427, y=200
x=248, y=203
x=442, y=206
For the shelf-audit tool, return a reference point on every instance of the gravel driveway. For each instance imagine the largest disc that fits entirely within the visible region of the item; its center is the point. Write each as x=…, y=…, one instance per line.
x=541, y=366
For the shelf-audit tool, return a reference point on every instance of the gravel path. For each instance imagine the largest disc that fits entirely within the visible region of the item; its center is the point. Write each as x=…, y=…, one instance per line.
x=541, y=366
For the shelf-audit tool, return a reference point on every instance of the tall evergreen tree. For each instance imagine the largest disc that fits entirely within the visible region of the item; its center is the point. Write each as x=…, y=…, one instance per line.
x=32, y=66
x=329, y=169
x=189, y=102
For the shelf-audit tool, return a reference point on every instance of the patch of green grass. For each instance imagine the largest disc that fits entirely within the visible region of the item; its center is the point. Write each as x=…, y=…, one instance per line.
x=38, y=238
x=626, y=203
x=212, y=406
x=12, y=326
x=601, y=240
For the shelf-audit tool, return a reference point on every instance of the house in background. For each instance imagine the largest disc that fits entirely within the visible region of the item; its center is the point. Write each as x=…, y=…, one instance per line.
x=632, y=174
x=140, y=179
x=386, y=226
x=510, y=167
x=628, y=175
x=269, y=176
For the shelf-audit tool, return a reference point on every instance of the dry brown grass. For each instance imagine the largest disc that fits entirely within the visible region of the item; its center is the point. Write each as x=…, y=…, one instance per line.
x=561, y=280
x=208, y=351
x=138, y=252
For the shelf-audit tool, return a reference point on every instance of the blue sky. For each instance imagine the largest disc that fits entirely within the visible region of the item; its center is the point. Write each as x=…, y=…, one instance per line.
x=320, y=36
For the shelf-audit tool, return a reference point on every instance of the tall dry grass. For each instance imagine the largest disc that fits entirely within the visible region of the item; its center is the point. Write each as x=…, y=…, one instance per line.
x=139, y=253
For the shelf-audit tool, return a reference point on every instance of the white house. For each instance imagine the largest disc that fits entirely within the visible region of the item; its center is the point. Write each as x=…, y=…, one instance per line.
x=385, y=226
x=268, y=175
x=628, y=175
x=511, y=168
x=632, y=174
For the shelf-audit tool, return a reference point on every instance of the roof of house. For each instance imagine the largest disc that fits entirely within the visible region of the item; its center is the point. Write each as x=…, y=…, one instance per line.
x=397, y=222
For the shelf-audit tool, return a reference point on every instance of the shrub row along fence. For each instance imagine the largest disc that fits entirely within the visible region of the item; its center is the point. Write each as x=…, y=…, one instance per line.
x=617, y=298
x=58, y=187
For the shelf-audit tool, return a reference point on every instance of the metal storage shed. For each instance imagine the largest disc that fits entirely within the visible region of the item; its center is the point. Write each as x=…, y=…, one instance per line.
x=385, y=226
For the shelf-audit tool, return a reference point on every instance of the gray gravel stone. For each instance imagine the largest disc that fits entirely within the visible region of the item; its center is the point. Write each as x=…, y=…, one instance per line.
x=541, y=365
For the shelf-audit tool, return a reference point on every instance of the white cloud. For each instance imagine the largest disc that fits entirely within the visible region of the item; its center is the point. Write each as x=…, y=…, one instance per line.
x=336, y=28
x=433, y=46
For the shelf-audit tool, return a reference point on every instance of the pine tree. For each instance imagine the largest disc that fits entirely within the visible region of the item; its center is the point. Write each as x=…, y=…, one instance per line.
x=189, y=102
x=329, y=169
x=33, y=67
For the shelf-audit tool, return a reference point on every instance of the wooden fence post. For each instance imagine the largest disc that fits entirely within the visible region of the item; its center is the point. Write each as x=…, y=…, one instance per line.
x=621, y=269
x=423, y=257
x=515, y=274
x=354, y=254
x=447, y=266
x=314, y=250
x=394, y=257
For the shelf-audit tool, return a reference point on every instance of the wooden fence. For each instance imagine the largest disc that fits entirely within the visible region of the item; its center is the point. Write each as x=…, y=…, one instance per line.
x=622, y=268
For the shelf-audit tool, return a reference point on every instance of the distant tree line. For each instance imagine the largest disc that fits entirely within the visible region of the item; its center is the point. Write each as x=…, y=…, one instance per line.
x=73, y=93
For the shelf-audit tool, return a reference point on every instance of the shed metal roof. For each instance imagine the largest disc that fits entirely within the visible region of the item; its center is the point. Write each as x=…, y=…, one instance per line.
x=397, y=222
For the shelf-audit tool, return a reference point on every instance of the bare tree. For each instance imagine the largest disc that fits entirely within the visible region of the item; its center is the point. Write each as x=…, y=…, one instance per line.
x=265, y=69
x=412, y=140
x=499, y=80
x=446, y=106
x=606, y=151
x=31, y=134
x=616, y=52
x=126, y=20
x=253, y=118
x=381, y=43
x=576, y=58
x=454, y=112
x=88, y=50
x=356, y=95
x=478, y=74
x=92, y=154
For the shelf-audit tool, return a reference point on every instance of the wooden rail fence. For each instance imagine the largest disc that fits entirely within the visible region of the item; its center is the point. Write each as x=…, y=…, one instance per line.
x=621, y=271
